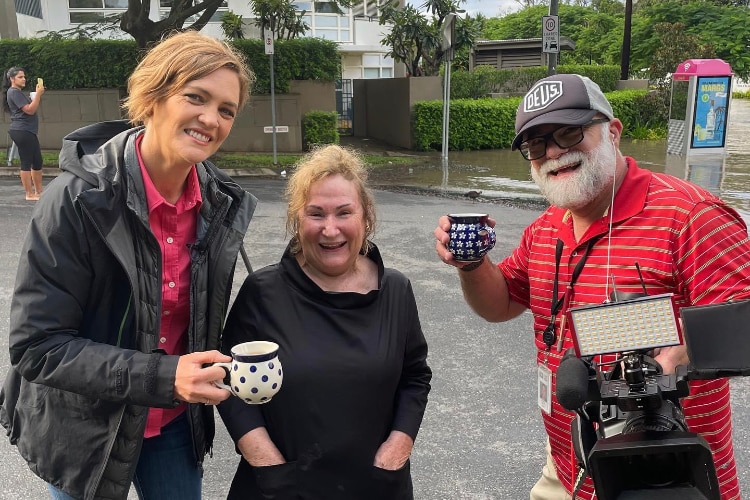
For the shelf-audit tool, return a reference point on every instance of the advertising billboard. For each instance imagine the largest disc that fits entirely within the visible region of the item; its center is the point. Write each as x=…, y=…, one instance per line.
x=710, y=111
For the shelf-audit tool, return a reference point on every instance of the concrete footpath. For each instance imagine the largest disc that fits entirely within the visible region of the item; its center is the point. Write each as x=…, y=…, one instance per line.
x=482, y=437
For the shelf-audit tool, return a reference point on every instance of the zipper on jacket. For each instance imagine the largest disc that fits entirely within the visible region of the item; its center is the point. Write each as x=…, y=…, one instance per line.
x=124, y=319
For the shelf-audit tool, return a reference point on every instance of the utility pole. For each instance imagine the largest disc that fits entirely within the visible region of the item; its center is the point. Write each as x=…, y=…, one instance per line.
x=448, y=40
x=552, y=56
x=8, y=19
x=625, y=59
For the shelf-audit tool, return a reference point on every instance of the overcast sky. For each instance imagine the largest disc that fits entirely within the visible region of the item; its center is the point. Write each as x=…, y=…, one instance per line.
x=490, y=8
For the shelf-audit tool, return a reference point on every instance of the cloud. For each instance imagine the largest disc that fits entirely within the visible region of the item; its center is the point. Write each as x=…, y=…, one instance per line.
x=489, y=8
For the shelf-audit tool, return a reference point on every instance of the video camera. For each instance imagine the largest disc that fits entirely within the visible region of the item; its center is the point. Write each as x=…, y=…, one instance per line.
x=630, y=433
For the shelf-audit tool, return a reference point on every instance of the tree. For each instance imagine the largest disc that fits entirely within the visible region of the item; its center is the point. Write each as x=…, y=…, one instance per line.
x=417, y=41
x=723, y=27
x=598, y=31
x=407, y=36
x=280, y=17
x=676, y=46
x=231, y=25
x=135, y=20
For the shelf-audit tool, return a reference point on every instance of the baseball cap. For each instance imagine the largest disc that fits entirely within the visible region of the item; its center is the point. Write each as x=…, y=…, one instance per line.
x=561, y=99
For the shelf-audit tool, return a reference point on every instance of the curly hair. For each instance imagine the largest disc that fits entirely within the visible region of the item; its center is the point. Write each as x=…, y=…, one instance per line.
x=323, y=162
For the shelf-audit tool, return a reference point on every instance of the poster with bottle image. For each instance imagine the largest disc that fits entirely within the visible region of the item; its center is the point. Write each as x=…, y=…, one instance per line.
x=711, y=106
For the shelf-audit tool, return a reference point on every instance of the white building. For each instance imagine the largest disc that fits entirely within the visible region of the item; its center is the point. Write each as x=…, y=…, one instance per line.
x=357, y=31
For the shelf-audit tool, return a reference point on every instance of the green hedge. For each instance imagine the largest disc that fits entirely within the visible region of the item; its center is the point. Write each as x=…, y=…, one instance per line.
x=486, y=79
x=320, y=127
x=490, y=123
x=71, y=64
x=78, y=64
x=300, y=59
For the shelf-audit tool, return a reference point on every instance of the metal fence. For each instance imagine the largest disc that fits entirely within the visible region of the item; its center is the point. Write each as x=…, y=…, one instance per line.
x=344, y=93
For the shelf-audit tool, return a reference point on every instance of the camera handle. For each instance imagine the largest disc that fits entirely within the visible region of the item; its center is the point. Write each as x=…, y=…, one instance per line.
x=584, y=436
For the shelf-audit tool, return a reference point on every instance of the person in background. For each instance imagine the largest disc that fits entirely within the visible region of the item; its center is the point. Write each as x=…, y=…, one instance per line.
x=24, y=128
x=123, y=285
x=607, y=217
x=356, y=377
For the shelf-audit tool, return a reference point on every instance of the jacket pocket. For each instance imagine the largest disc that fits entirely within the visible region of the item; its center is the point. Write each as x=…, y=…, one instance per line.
x=277, y=482
x=32, y=395
x=393, y=484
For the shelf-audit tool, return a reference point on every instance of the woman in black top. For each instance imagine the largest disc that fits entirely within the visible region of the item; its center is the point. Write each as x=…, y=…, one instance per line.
x=24, y=127
x=356, y=378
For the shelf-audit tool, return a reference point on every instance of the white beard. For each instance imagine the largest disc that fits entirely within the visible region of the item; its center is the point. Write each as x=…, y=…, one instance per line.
x=595, y=173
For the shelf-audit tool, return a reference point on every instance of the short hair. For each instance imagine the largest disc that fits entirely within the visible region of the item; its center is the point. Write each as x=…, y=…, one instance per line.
x=175, y=61
x=320, y=163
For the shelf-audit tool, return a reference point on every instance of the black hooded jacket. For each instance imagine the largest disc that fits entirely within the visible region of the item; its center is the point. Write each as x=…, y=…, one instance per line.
x=84, y=323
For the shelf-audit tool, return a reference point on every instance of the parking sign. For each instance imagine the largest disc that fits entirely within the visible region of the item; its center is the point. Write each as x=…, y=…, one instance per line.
x=550, y=34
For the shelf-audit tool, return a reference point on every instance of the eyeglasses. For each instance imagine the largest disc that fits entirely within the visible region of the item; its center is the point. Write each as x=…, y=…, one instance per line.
x=564, y=137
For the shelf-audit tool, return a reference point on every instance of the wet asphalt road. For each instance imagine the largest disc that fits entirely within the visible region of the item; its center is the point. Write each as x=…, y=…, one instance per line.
x=482, y=436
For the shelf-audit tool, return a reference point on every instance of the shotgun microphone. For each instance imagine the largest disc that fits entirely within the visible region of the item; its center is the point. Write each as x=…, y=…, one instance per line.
x=572, y=381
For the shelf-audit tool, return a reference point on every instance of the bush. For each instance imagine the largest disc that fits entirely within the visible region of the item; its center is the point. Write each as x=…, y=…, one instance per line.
x=486, y=79
x=490, y=123
x=90, y=64
x=320, y=127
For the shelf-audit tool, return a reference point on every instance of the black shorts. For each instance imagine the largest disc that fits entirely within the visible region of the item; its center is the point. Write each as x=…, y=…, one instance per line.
x=29, y=149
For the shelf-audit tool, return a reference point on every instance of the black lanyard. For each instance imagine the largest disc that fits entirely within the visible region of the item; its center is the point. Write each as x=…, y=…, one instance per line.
x=549, y=336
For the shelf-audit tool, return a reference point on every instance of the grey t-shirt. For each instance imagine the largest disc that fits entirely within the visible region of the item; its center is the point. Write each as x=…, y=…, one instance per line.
x=18, y=119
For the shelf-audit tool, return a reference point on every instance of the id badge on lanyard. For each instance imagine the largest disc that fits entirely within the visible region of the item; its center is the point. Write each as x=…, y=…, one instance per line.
x=544, y=374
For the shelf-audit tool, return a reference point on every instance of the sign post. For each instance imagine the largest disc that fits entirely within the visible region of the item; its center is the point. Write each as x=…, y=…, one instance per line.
x=550, y=34
x=268, y=44
x=448, y=40
x=551, y=37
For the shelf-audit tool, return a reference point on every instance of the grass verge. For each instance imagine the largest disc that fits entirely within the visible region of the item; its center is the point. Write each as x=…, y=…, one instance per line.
x=243, y=160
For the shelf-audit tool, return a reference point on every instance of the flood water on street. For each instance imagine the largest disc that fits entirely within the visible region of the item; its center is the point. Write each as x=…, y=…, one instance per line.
x=504, y=174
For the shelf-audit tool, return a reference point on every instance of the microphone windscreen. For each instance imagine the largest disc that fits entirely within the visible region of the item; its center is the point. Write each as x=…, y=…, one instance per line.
x=572, y=383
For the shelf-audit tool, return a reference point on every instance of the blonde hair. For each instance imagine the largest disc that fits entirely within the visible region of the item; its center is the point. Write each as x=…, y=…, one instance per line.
x=175, y=61
x=323, y=162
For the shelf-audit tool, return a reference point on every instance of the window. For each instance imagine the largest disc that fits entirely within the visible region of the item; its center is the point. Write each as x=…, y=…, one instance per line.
x=300, y=6
x=94, y=11
x=326, y=21
x=367, y=8
x=326, y=8
x=166, y=6
x=31, y=8
x=367, y=66
x=85, y=4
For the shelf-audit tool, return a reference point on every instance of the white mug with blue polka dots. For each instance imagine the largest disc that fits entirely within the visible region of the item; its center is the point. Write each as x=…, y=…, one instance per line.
x=470, y=236
x=255, y=373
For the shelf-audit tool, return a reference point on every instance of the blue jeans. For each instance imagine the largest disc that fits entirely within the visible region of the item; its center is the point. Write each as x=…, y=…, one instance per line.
x=166, y=468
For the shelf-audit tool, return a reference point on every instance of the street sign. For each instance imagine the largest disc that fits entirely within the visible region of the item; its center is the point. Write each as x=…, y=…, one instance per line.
x=550, y=34
x=280, y=129
x=269, y=44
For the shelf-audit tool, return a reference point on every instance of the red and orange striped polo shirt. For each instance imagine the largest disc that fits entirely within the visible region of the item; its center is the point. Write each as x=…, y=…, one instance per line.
x=686, y=241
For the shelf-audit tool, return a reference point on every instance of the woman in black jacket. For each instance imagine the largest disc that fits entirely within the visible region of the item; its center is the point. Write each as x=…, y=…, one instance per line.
x=123, y=284
x=356, y=378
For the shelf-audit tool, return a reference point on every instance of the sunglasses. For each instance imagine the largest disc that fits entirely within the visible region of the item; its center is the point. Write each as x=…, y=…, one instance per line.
x=564, y=137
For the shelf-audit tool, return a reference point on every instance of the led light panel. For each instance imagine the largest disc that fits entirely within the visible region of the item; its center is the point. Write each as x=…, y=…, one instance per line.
x=642, y=323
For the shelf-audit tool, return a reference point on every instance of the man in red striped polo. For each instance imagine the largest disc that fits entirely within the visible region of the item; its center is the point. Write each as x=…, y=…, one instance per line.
x=609, y=224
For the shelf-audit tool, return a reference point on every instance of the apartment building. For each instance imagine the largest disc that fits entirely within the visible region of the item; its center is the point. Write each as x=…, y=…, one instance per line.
x=357, y=30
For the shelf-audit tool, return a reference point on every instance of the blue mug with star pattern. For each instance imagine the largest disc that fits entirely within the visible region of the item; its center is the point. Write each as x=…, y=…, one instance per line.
x=470, y=237
x=255, y=373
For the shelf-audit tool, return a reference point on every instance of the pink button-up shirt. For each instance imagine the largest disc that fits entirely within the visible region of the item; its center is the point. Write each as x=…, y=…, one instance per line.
x=174, y=227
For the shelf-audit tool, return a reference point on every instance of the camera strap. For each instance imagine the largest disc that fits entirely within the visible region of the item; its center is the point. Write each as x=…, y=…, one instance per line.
x=549, y=336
